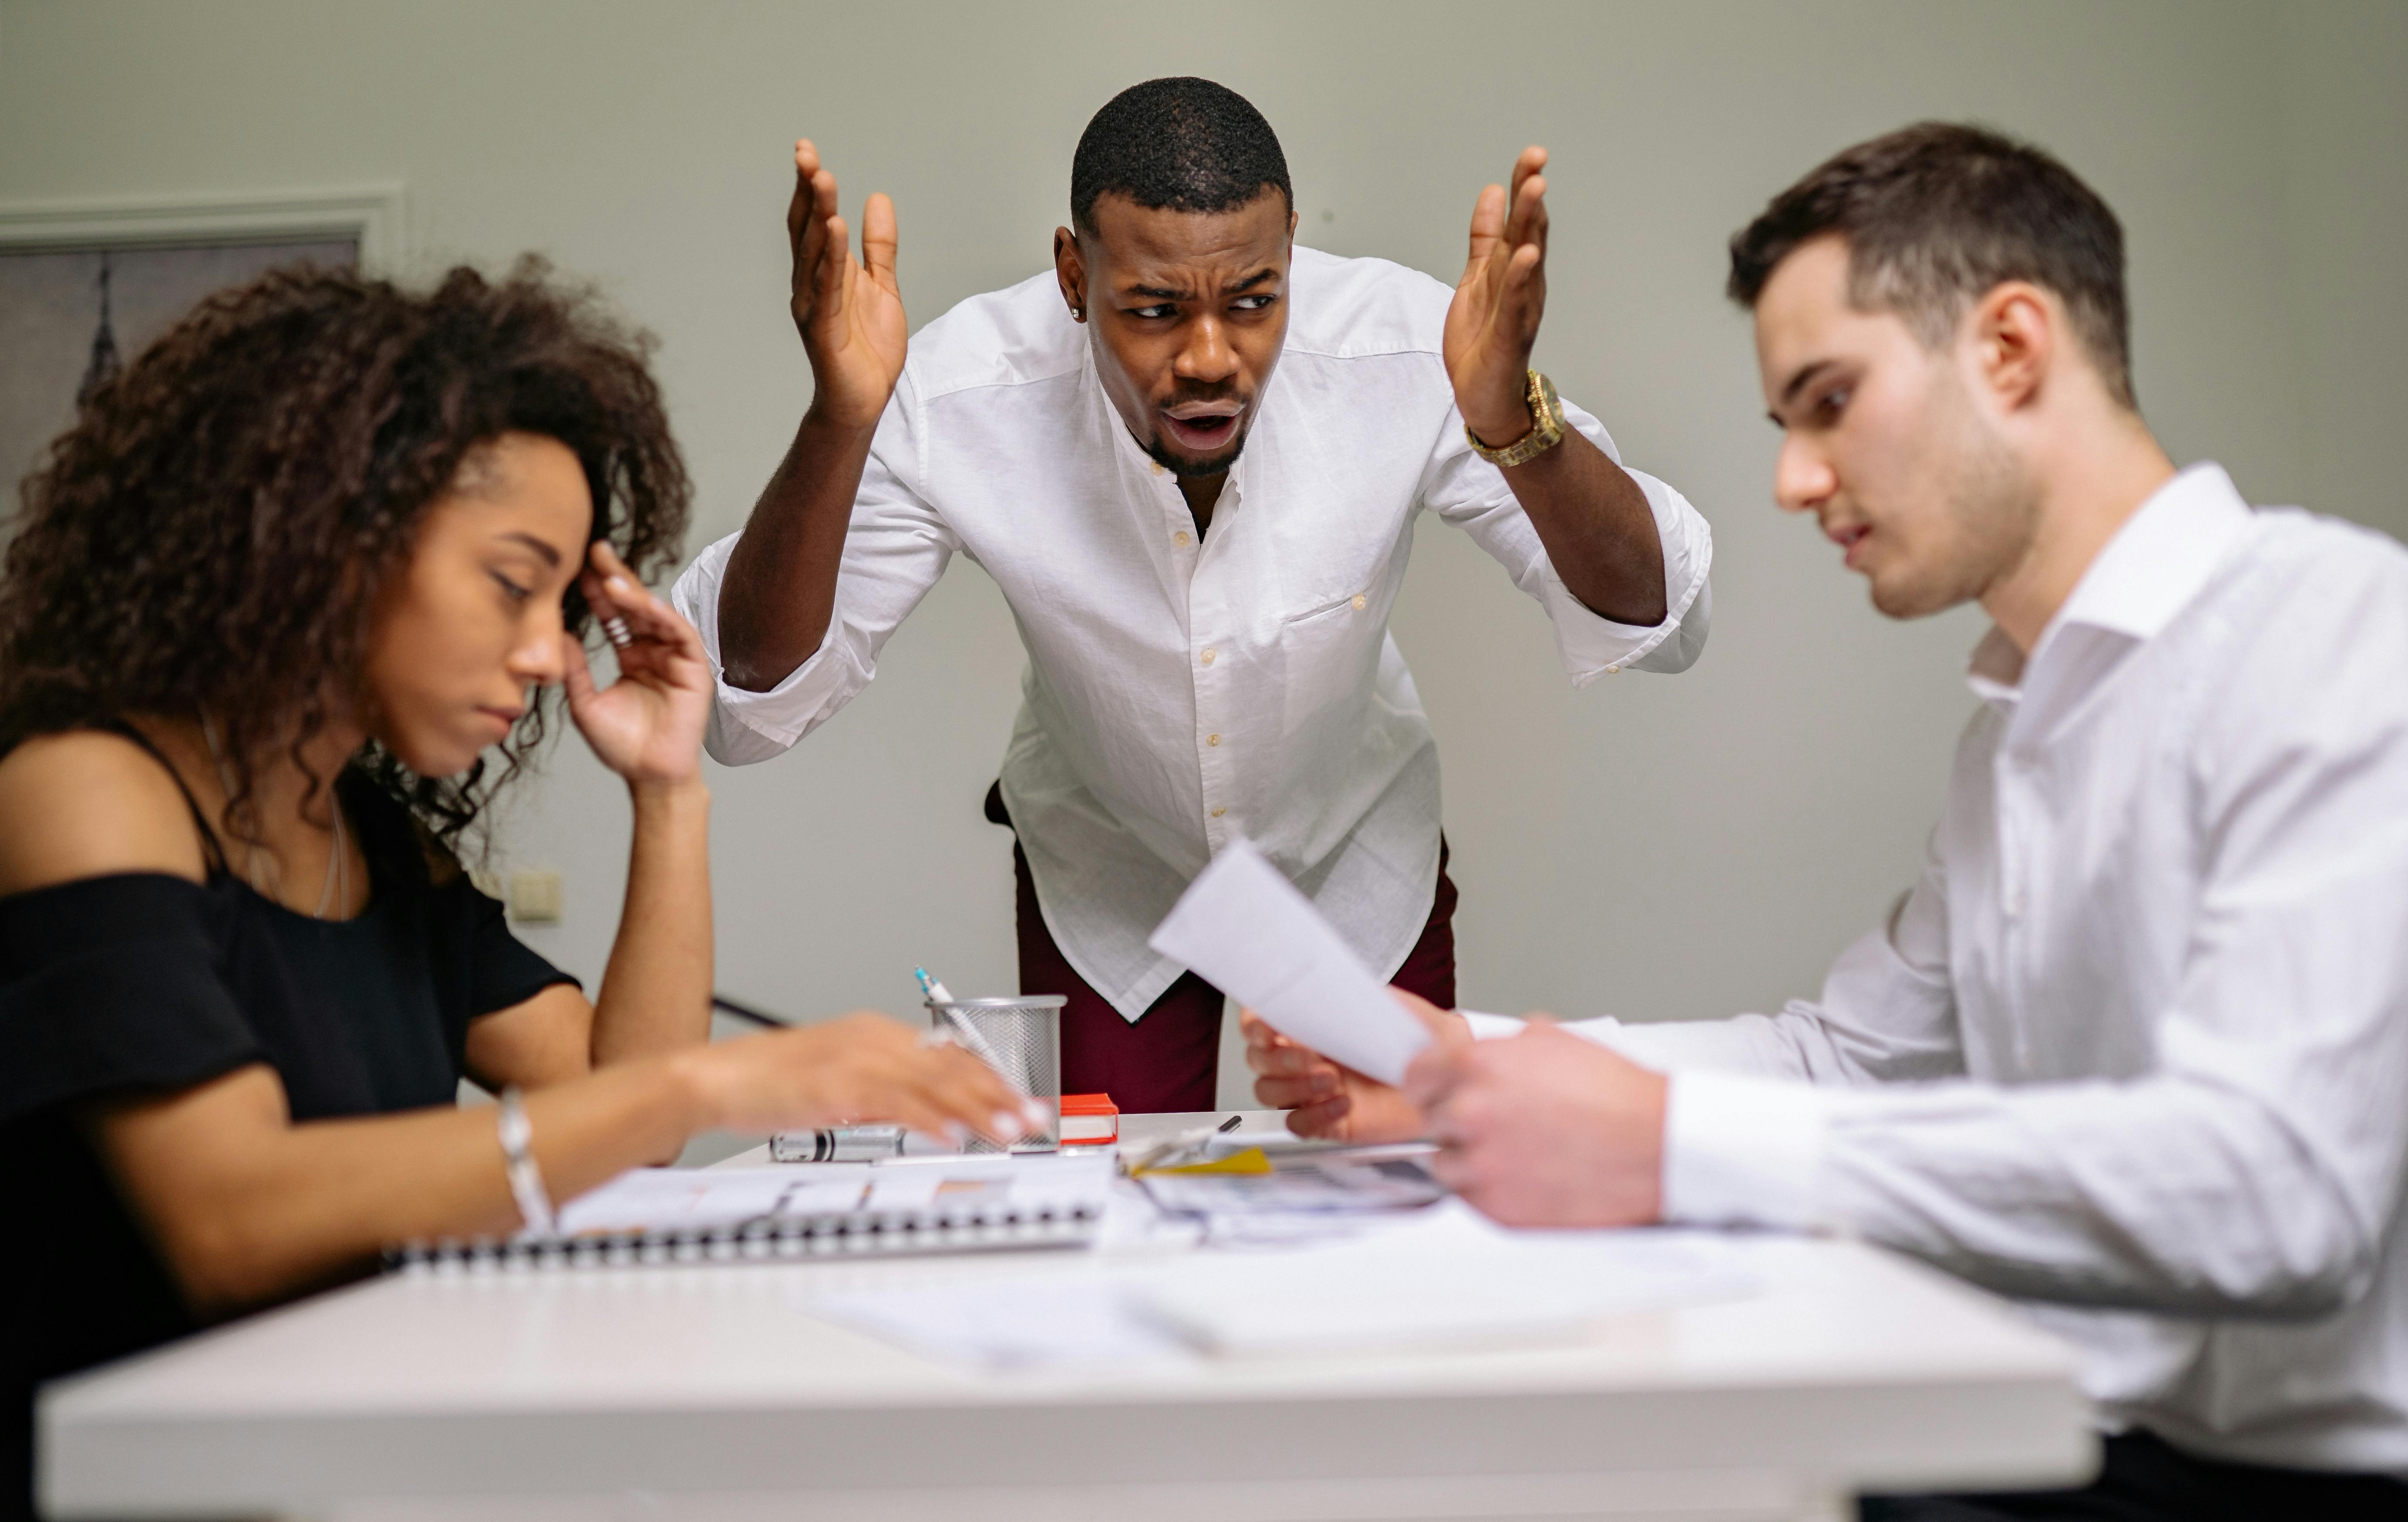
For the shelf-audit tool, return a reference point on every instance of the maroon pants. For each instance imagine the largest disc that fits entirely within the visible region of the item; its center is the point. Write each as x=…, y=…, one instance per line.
x=1170, y=1058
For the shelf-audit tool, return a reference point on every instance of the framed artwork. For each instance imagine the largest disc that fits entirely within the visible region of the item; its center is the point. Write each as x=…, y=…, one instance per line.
x=85, y=286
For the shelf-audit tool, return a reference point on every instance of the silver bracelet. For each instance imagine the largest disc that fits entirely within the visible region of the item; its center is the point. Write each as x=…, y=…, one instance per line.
x=517, y=1160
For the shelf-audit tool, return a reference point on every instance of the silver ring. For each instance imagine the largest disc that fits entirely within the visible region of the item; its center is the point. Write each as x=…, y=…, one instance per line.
x=934, y=1039
x=616, y=629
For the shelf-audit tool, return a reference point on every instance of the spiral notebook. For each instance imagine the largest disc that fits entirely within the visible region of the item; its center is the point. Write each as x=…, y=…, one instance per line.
x=792, y=1211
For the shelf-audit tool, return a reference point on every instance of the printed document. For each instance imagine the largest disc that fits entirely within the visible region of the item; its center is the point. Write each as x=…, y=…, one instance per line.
x=1246, y=931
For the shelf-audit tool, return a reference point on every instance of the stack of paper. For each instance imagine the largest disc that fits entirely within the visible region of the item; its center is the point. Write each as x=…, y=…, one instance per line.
x=1448, y=1278
x=1299, y=1195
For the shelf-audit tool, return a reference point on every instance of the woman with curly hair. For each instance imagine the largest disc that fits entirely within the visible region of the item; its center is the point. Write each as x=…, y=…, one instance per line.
x=274, y=622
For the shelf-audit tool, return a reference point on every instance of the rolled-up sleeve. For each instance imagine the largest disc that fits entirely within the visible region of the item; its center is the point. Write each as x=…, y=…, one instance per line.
x=894, y=549
x=1472, y=494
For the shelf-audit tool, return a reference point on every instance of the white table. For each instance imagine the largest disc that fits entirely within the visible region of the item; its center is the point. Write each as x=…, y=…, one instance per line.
x=712, y=1392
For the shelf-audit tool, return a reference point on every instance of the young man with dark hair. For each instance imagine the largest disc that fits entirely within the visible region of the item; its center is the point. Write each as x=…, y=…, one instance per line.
x=1191, y=455
x=2132, y=1048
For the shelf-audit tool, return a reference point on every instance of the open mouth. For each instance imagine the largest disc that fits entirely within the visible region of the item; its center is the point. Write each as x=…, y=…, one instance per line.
x=1202, y=427
x=1850, y=539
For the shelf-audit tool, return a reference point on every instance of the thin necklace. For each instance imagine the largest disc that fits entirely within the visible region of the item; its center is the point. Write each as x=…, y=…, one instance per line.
x=337, y=889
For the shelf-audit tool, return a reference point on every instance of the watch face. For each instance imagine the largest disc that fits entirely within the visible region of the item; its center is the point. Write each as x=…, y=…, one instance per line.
x=1546, y=411
x=1546, y=426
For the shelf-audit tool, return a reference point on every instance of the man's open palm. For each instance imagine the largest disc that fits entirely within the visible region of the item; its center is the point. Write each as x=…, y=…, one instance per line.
x=849, y=311
x=1494, y=321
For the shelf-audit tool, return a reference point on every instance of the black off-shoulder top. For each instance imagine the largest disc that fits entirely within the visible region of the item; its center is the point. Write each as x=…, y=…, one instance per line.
x=150, y=983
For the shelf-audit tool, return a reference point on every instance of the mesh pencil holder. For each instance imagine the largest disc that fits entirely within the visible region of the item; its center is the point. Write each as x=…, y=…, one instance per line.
x=1025, y=1033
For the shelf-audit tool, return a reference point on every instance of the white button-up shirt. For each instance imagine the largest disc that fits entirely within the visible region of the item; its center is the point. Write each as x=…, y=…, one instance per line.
x=2136, y=1046
x=1181, y=692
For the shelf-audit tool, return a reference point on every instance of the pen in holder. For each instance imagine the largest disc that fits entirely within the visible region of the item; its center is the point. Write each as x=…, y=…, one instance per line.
x=1023, y=1036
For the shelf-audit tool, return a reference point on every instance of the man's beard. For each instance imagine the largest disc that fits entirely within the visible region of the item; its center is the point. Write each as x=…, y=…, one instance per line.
x=1161, y=454
x=1986, y=526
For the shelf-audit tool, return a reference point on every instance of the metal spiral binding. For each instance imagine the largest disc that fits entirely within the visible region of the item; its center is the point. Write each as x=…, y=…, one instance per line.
x=756, y=1240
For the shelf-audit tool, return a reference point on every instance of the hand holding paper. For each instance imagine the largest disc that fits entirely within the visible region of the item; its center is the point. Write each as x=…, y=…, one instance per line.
x=1245, y=929
x=1330, y=1103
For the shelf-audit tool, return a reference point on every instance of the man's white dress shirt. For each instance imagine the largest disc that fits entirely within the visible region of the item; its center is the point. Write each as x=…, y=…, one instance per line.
x=2136, y=1045
x=1178, y=693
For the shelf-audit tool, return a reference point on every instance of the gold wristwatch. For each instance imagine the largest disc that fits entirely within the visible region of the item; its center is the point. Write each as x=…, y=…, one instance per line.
x=1546, y=426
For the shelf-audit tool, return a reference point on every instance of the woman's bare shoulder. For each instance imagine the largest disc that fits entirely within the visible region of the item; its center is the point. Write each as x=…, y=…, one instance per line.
x=90, y=804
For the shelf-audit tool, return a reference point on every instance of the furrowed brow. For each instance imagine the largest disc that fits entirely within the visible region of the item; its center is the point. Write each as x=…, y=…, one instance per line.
x=1257, y=277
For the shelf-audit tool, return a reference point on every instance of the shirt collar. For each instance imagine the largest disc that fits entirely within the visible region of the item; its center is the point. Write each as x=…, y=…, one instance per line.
x=1995, y=671
x=2162, y=557
x=2149, y=572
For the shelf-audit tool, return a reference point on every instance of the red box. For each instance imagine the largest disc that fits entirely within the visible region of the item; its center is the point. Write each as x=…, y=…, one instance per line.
x=1089, y=1120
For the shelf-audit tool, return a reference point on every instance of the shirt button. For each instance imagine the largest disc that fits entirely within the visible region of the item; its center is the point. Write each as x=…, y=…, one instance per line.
x=1218, y=812
x=1359, y=602
x=1613, y=671
x=1212, y=739
x=1207, y=657
x=1180, y=538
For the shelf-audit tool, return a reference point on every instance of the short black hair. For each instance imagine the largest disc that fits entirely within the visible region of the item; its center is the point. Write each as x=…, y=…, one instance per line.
x=1938, y=214
x=1183, y=144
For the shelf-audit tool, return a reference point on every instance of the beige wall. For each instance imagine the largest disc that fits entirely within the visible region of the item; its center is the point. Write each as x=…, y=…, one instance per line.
x=1654, y=846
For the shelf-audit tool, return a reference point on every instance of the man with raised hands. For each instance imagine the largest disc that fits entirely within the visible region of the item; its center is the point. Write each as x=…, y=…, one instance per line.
x=2133, y=1048
x=1191, y=455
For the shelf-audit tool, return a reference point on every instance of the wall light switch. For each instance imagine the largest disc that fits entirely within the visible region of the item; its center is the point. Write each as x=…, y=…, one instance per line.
x=535, y=897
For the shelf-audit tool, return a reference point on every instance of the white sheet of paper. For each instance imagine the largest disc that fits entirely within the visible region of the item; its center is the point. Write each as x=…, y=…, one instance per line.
x=1448, y=1278
x=1246, y=931
x=703, y=1198
x=711, y=1198
x=1445, y=1279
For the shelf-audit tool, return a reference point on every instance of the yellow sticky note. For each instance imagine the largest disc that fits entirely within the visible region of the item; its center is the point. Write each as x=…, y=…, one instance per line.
x=1251, y=1160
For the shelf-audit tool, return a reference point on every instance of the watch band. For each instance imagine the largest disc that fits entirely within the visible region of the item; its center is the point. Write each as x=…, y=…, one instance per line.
x=1546, y=426
x=518, y=1162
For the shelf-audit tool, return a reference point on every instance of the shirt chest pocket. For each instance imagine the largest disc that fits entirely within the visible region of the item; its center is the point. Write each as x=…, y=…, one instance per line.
x=1328, y=656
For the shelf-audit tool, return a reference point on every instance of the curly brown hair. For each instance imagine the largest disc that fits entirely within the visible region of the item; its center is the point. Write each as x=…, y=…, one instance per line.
x=212, y=533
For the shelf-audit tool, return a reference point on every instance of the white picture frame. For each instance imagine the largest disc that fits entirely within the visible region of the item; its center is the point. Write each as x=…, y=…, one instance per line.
x=374, y=216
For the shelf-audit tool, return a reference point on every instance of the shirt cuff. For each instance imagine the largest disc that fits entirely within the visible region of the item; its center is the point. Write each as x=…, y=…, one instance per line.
x=1591, y=645
x=748, y=726
x=1742, y=1150
x=1490, y=1027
